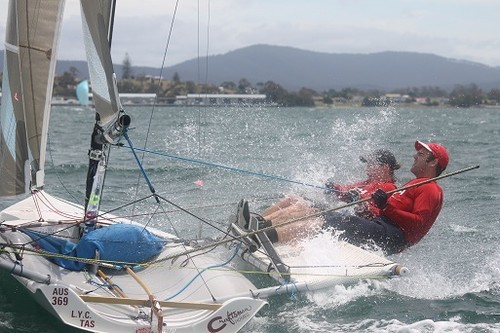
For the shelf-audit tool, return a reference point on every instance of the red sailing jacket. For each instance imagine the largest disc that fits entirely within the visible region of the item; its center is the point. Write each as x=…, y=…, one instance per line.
x=414, y=210
x=366, y=188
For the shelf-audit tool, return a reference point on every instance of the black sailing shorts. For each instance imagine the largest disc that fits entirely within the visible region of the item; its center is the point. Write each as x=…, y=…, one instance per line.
x=358, y=231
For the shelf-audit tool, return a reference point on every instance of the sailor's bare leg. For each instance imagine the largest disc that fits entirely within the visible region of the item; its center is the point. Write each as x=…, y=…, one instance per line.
x=288, y=208
x=283, y=203
x=291, y=213
x=299, y=230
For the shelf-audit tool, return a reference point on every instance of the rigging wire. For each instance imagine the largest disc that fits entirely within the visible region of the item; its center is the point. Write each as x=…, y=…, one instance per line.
x=202, y=116
x=229, y=168
x=160, y=78
x=151, y=188
x=202, y=138
x=208, y=42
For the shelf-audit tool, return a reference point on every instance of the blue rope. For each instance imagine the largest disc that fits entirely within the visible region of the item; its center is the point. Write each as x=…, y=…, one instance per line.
x=151, y=188
x=292, y=294
x=199, y=273
x=225, y=167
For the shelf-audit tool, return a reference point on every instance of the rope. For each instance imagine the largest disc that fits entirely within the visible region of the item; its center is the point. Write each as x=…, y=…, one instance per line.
x=203, y=270
x=151, y=188
x=293, y=290
x=229, y=168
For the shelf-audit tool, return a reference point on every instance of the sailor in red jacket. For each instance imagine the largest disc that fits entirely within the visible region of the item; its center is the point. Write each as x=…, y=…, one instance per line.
x=415, y=210
x=406, y=216
x=380, y=168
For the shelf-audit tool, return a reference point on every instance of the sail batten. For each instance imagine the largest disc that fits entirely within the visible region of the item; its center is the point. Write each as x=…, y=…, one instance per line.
x=32, y=36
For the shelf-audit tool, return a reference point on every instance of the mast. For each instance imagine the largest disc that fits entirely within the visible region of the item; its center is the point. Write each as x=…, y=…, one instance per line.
x=110, y=118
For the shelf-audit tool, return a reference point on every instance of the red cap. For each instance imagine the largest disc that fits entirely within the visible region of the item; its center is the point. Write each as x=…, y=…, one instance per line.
x=439, y=152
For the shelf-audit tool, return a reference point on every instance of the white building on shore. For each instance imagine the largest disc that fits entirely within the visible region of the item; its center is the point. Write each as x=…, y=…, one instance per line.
x=220, y=99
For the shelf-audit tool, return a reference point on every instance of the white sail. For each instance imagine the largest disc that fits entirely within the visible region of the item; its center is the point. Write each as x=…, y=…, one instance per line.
x=29, y=66
x=96, y=23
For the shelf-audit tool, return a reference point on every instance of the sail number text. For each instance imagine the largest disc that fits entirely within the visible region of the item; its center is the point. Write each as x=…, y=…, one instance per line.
x=60, y=296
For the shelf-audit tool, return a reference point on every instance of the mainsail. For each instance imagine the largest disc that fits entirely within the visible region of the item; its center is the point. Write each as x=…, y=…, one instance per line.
x=29, y=66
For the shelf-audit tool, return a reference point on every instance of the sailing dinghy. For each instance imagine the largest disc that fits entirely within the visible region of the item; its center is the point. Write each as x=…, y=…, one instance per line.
x=100, y=272
x=93, y=271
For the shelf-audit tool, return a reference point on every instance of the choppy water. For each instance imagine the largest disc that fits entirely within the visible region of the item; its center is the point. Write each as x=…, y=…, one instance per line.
x=454, y=285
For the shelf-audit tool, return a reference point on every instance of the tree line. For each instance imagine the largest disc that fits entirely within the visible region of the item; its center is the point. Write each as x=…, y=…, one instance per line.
x=167, y=90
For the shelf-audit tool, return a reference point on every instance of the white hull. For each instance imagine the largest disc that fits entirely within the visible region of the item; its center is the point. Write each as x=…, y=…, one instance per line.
x=322, y=265
x=66, y=293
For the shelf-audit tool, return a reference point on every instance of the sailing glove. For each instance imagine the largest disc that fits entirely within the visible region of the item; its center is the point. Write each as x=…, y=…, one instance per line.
x=331, y=186
x=350, y=196
x=380, y=198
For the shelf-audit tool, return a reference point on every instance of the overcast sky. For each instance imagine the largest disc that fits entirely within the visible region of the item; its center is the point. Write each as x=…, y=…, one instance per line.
x=460, y=29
